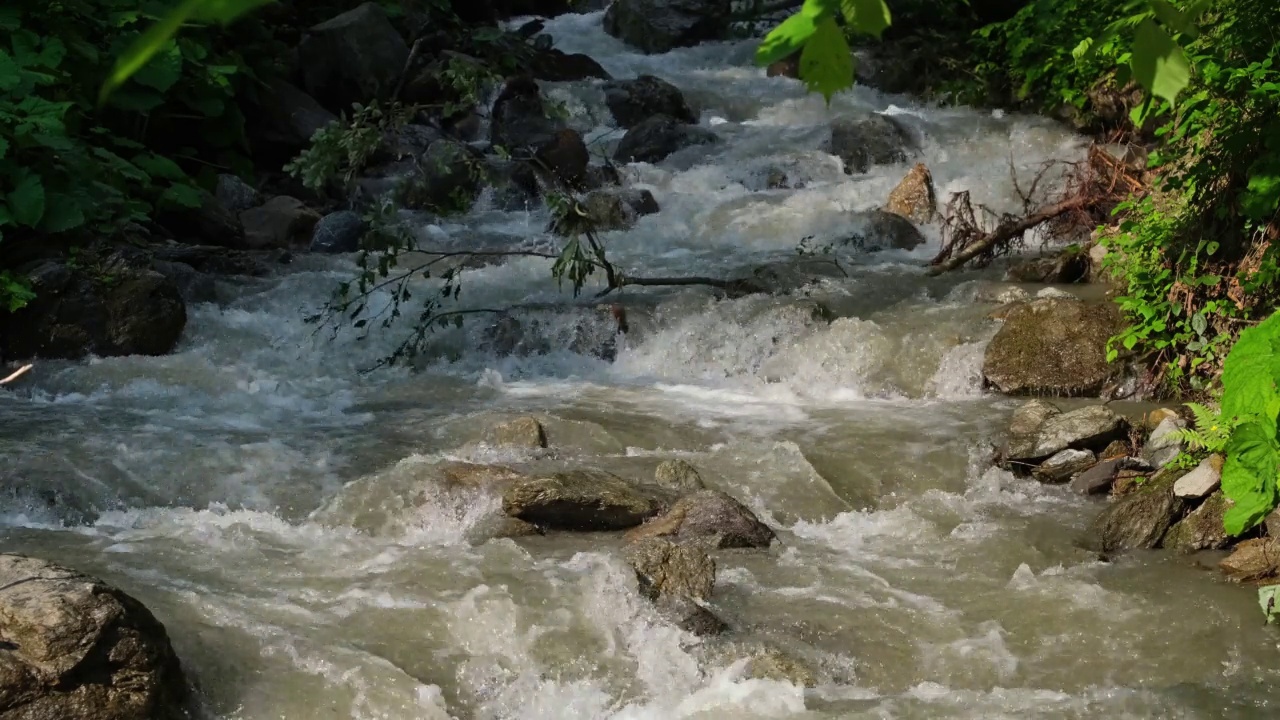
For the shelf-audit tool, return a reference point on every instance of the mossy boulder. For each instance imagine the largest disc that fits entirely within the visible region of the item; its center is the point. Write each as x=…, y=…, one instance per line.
x=1053, y=346
x=1140, y=519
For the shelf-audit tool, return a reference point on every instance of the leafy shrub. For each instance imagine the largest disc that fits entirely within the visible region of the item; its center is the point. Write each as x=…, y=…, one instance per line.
x=1251, y=398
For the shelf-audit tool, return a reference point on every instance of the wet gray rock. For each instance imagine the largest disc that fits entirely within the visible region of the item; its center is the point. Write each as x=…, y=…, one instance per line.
x=193, y=285
x=279, y=223
x=1053, y=346
x=1204, y=479
x=212, y=260
x=1063, y=268
x=1064, y=465
x=679, y=579
x=861, y=143
x=1139, y=520
x=289, y=117
x=618, y=208
x=1164, y=446
x=338, y=232
x=523, y=432
x=878, y=229
x=235, y=194
x=711, y=518
x=636, y=100
x=446, y=179
x=109, y=306
x=656, y=26
x=656, y=137
x=519, y=120
x=580, y=500
x=1099, y=478
x=1024, y=428
x=555, y=65
x=354, y=57
x=1202, y=529
x=75, y=648
x=678, y=475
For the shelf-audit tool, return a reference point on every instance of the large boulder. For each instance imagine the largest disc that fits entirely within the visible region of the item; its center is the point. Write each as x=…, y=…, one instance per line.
x=355, y=57
x=1253, y=560
x=279, y=223
x=210, y=222
x=118, y=305
x=874, y=140
x=519, y=121
x=75, y=648
x=876, y=230
x=1053, y=346
x=653, y=139
x=636, y=100
x=1087, y=428
x=1139, y=520
x=1063, y=268
x=523, y=432
x=288, y=117
x=235, y=194
x=1203, y=528
x=618, y=208
x=338, y=232
x=656, y=26
x=565, y=157
x=708, y=517
x=580, y=500
x=555, y=65
x=914, y=197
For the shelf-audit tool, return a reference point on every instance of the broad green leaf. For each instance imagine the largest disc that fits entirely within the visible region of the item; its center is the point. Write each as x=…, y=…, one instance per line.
x=147, y=46
x=826, y=63
x=870, y=17
x=1158, y=63
x=158, y=166
x=1174, y=18
x=1249, y=474
x=182, y=195
x=785, y=40
x=10, y=72
x=1250, y=372
x=63, y=213
x=164, y=70
x=26, y=201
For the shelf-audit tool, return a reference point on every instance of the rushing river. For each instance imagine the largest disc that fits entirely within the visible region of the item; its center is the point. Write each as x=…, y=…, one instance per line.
x=252, y=488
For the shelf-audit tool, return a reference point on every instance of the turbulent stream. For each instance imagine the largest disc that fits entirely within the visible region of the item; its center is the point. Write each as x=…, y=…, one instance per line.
x=254, y=488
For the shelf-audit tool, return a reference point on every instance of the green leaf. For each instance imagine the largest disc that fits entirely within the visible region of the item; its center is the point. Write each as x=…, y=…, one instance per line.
x=1249, y=475
x=870, y=17
x=158, y=166
x=63, y=213
x=10, y=72
x=784, y=40
x=1158, y=63
x=1250, y=372
x=147, y=46
x=1174, y=18
x=182, y=195
x=164, y=70
x=826, y=63
x=26, y=202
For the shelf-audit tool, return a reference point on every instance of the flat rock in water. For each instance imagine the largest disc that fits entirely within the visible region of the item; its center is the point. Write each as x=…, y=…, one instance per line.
x=1089, y=428
x=1201, y=481
x=1024, y=429
x=580, y=500
x=1138, y=520
x=678, y=475
x=1202, y=529
x=1253, y=560
x=523, y=432
x=1063, y=465
x=710, y=517
x=75, y=648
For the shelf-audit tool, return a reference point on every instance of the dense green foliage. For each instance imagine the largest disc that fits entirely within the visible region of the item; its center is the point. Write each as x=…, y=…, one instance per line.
x=1251, y=398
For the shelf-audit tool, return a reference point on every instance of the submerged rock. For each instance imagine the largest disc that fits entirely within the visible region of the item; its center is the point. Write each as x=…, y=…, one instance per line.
x=1053, y=346
x=914, y=197
x=633, y=101
x=874, y=140
x=75, y=648
x=678, y=579
x=678, y=475
x=580, y=500
x=656, y=26
x=618, y=208
x=773, y=664
x=1202, y=529
x=709, y=517
x=524, y=432
x=555, y=65
x=656, y=137
x=878, y=229
x=1140, y=519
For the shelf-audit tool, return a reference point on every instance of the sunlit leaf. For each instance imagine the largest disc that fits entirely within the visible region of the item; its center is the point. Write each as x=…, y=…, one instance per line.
x=870, y=17
x=785, y=40
x=826, y=63
x=1159, y=64
x=1249, y=475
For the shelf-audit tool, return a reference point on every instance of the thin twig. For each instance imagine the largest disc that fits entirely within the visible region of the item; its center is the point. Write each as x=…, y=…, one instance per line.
x=19, y=373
